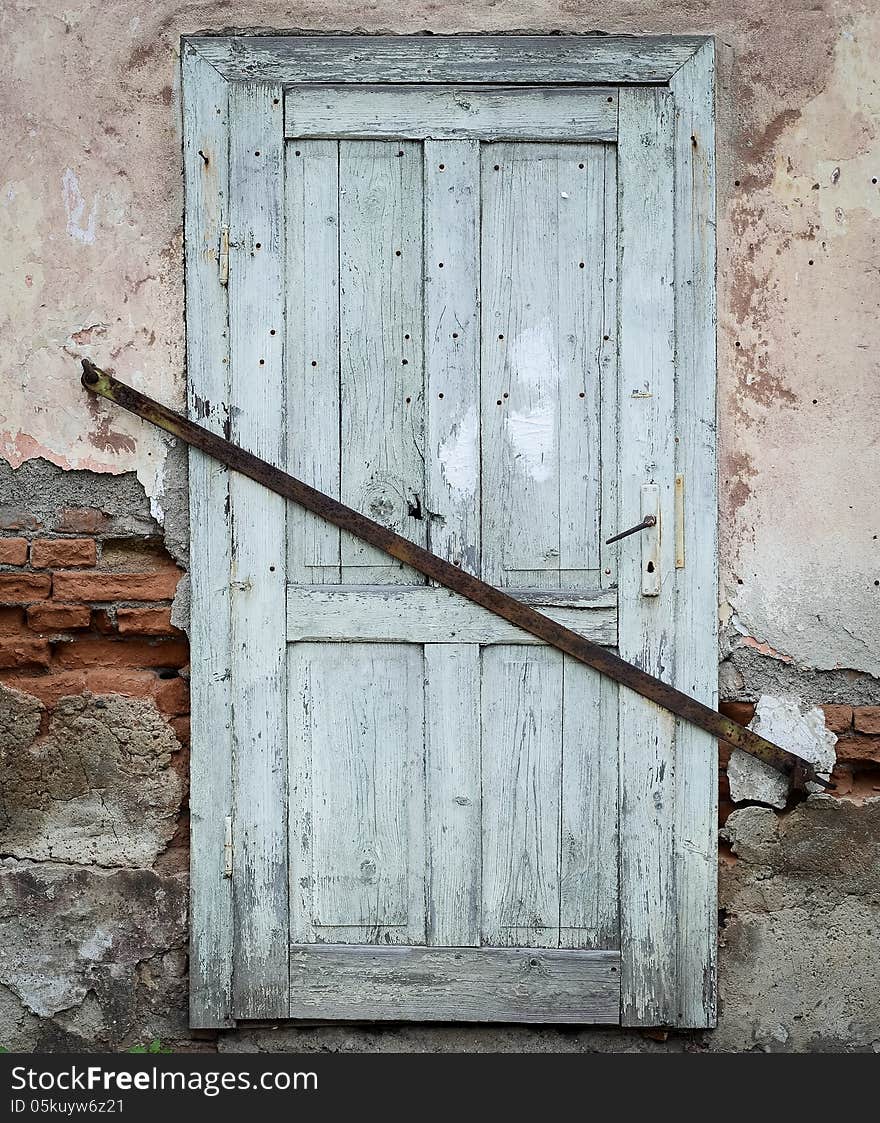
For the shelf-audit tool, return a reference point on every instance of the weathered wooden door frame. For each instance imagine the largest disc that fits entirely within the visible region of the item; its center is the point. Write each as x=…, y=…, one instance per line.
x=233, y=97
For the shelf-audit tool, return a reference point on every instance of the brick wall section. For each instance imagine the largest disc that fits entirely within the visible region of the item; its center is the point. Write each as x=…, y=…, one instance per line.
x=83, y=608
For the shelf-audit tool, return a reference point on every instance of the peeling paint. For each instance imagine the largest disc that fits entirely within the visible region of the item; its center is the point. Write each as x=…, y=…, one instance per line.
x=75, y=205
x=531, y=431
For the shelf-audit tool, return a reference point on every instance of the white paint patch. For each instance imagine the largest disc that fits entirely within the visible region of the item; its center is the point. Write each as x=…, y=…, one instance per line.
x=75, y=205
x=95, y=946
x=534, y=374
x=459, y=454
x=781, y=721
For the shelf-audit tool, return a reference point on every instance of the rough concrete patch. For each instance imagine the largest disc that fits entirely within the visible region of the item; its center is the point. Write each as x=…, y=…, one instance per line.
x=98, y=788
x=449, y=1039
x=65, y=933
x=781, y=721
x=45, y=494
x=800, y=960
x=746, y=674
x=20, y=717
x=171, y=505
x=182, y=605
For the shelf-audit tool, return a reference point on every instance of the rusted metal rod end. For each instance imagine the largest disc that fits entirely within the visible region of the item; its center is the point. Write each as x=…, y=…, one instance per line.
x=91, y=374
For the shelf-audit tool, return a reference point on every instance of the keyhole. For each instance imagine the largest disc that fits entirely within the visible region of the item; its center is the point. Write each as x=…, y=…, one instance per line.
x=650, y=567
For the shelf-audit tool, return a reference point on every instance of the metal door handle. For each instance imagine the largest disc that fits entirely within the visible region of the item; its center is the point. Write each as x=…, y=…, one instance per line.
x=648, y=520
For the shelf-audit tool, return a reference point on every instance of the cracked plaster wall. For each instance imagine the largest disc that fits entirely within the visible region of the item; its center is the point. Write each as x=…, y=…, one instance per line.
x=91, y=264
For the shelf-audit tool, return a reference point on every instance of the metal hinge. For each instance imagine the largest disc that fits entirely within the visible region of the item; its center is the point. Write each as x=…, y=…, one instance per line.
x=223, y=258
x=227, y=846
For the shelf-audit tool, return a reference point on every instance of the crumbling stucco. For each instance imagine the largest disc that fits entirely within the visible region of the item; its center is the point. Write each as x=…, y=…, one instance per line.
x=97, y=788
x=91, y=956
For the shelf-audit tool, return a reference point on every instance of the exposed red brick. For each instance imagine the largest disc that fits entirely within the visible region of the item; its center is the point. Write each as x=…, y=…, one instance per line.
x=50, y=616
x=867, y=719
x=22, y=588
x=50, y=688
x=13, y=551
x=98, y=586
x=16, y=652
x=101, y=651
x=864, y=749
x=104, y=621
x=743, y=712
x=724, y=751
x=838, y=718
x=81, y=520
x=62, y=553
x=145, y=622
x=180, y=725
x=842, y=778
x=11, y=621
x=172, y=696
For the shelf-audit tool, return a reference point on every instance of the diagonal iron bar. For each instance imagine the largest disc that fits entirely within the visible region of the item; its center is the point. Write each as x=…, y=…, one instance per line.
x=495, y=600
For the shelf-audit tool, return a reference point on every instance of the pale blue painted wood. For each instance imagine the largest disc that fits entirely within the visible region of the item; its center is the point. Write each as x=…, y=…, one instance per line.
x=258, y=646
x=696, y=845
x=205, y=149
x=452, y=112
x=382, y=405
x=646, y=625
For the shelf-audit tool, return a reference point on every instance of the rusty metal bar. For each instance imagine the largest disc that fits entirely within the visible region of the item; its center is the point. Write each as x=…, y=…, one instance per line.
x=487, y=596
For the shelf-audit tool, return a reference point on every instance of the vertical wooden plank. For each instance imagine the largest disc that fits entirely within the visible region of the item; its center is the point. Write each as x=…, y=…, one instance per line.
x=312, y=351
x=301, y=887
x=453, y=793
x=522, y=762
x=452, y=408
x=383, y=473
x=256, y=309
x=364, y=727
x=206, y=175
x=580, y=205
x=520, y=365
x=696, y=847
x=646, y=624
x=452, y=349
x=607, y=366
x=588, y=908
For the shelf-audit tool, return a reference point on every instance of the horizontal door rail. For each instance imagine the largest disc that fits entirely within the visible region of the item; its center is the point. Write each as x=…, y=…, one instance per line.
x=496, y=600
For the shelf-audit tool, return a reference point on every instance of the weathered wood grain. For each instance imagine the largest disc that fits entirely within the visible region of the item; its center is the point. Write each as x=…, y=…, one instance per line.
x=519, y=363
x=312, y=350
x=454, y=113
x=358, y=726
x=452, y=350
x=528, y=59
x=580, y=265
x=646, y=625
x=205, y=154
x=589, y=890
x=455, y=984
x=543, y=265
x=417, y=614
x=453, y=793
x=258, y=664
x=696, y=793
x=522, y=764
x=606, y=365
x=382, y=426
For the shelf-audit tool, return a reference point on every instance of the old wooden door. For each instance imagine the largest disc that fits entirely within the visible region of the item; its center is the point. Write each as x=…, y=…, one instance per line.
x=477, y=309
